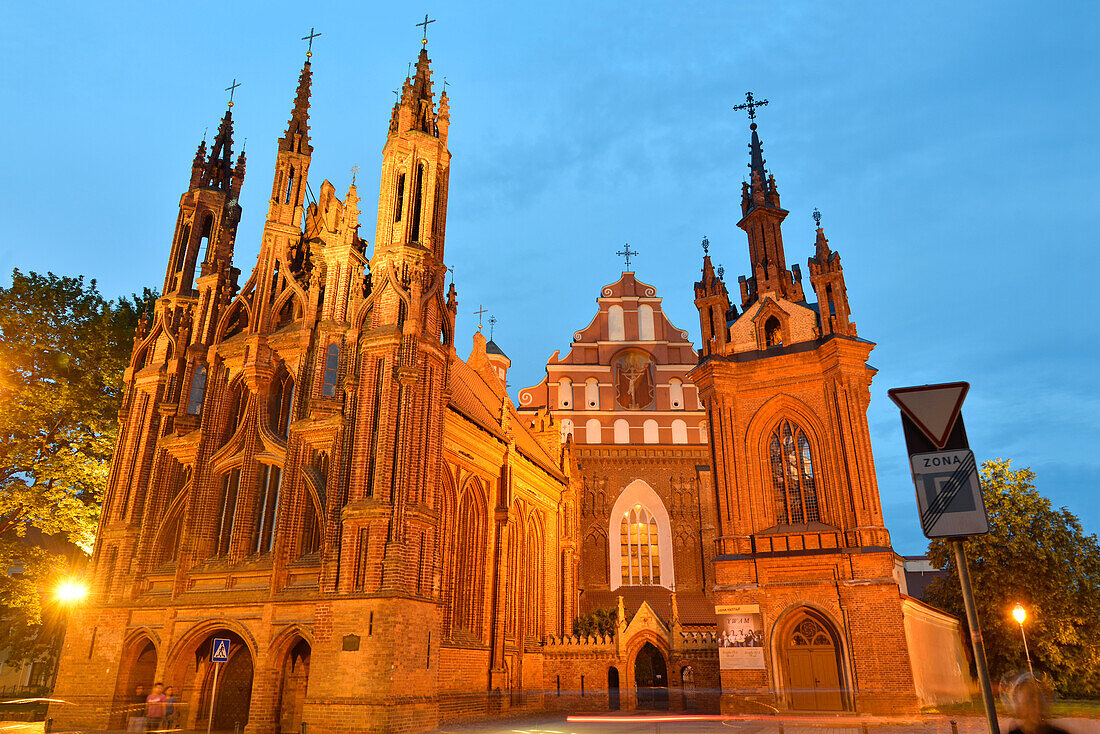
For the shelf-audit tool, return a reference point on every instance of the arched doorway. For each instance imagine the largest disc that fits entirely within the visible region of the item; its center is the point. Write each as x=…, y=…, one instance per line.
x=234, y=693
x=292, y=688
x=141, y=659
x=651, y=678
x=613, y=688
x=810, y=650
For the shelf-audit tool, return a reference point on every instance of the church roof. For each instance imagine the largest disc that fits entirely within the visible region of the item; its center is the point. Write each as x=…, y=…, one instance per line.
x=492, y=348
x=473, y=398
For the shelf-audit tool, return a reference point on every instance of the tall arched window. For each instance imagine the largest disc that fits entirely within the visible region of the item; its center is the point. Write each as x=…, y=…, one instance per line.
x=645, y=322
x=207, y=233
x=651, y=432
x=281, y=405
x=267, y=508
x=679, y=431
x=638, y=539
x=793, y=479
x=198, y=390
x=592, y=393
x=332, y=370
x=228, y=509
x=592, y=430
x=616, y=330
x=565, y=393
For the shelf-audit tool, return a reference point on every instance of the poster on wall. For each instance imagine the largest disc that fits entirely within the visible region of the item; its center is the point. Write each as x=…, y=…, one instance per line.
x=740, y=637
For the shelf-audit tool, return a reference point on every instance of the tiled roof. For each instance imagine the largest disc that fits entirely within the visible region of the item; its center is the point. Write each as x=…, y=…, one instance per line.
x=695, y=608
x=475, y=399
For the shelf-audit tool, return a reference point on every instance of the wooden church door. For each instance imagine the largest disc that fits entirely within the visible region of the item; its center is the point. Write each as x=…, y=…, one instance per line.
x=812, y=669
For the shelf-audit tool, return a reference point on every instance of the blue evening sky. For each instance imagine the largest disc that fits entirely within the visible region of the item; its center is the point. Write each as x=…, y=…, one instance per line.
x=951, y=147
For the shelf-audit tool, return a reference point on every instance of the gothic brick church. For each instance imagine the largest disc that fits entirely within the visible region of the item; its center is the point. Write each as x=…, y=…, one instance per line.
x=305, y=467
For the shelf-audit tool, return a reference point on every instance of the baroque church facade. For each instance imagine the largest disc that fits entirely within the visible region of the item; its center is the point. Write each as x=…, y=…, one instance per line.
x=306, y=468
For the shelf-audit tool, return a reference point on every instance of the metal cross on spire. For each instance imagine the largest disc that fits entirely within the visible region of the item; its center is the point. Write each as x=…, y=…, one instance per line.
x=310, y=37
x=706, y=245
x=354, y=173
x=817, y=218
x=424, y=40
x=479, y=314
x=627, y=253
x=445, y=84
x=451, y=270
x=751, y=105
x=492, y=323
x=232, y=89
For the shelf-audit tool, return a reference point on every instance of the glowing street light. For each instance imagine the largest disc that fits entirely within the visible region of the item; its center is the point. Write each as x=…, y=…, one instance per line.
x=1020, y=614
x=70, y=591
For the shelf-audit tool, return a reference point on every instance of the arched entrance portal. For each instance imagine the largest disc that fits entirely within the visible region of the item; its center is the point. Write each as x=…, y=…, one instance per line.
x=613, y=688
x=141, y=659
x=234, y=692
x=651, y=678
x=292, y=688
x=810, y=650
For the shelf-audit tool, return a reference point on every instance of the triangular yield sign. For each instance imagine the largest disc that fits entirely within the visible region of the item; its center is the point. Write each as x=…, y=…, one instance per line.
x=933, y=408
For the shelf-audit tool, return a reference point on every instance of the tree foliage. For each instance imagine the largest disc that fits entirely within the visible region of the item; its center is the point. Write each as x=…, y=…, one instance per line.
x=1039, y=557
x=63, y=350
x=598, y=622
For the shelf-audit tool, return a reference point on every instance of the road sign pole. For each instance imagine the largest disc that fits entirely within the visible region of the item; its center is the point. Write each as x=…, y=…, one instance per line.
x=975, y=635
x=214, y=696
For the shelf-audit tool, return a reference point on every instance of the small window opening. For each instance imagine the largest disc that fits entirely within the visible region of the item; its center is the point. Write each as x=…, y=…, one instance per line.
x=181, y=253
x=198, y=390
x=332, y=368
x=399, y=202
x=773, y=333
x=418, y=202
x=829, y=298
x=204, y=243
x=289, y=186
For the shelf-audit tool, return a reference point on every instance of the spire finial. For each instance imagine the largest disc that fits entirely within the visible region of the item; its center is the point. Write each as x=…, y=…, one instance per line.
x=817, y=218
x=451, y=270
x=706, y=246
x=310, y=37
x=492, y=325
x=424, y=40
x=232, y=89
x=479, y=313
x=627, y=253
x=721, y=272
x=354, y=173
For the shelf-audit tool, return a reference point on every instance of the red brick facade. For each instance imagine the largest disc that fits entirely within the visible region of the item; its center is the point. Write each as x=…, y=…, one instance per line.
x=306, y=467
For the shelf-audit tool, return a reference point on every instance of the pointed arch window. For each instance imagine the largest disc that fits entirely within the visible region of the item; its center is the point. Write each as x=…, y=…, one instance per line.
x=198, y=390
x=417, y=202
x=793, y=479
x=399, y=200
x=267, y=508
x=181, y=252
x=231, y=483
x=332, y=370
x=281, y=407
x=207, y=233
x=289, y=185
x=641, y=560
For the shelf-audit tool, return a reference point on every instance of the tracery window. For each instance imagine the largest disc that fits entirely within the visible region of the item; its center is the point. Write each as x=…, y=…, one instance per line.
x=793, y=478
x=267, y=508
x=638, y=538
x=230, y=485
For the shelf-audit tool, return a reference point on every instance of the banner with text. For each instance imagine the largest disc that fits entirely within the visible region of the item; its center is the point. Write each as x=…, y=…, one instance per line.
x=740, y=637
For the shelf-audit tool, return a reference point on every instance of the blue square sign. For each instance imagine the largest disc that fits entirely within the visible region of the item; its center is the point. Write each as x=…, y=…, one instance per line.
x=220, y=652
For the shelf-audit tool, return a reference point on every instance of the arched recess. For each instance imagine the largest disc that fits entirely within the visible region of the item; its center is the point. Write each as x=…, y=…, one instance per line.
x=592, y=431
x=534, y=579
x=639, y=493
x=167, y=539
x=616, y=328
x=287, y=309
x=679, y=431
x=467, y=583
x=645, y=322
x=592, y=394
x=651, y=678
x=565, y=393
x=810, y=657
x=622, y=431
x=137, y=670
x=293, y=686
x=651, y=432
x=594, y=558
x=191, y=672
x=758, y=437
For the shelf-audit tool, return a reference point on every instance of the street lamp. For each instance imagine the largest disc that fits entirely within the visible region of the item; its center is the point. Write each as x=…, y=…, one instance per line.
x=70, y=592
x=1020, y=614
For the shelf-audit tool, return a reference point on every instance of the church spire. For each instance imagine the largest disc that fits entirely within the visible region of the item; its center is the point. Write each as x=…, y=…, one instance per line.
x=762, y=219
x=218, y=171
x=827, y=279
x=296, y=139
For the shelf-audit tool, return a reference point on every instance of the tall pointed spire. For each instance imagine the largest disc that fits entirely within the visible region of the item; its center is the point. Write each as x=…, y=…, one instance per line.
x=296, y=139
x=218, y=171
x=415, y=109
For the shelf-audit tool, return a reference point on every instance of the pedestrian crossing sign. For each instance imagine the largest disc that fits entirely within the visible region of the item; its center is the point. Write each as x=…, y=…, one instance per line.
x=221, y=650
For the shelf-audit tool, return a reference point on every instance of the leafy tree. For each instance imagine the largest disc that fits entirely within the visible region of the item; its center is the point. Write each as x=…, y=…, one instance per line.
x=598, y=622
x=1037, y=556
x=63, y=349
